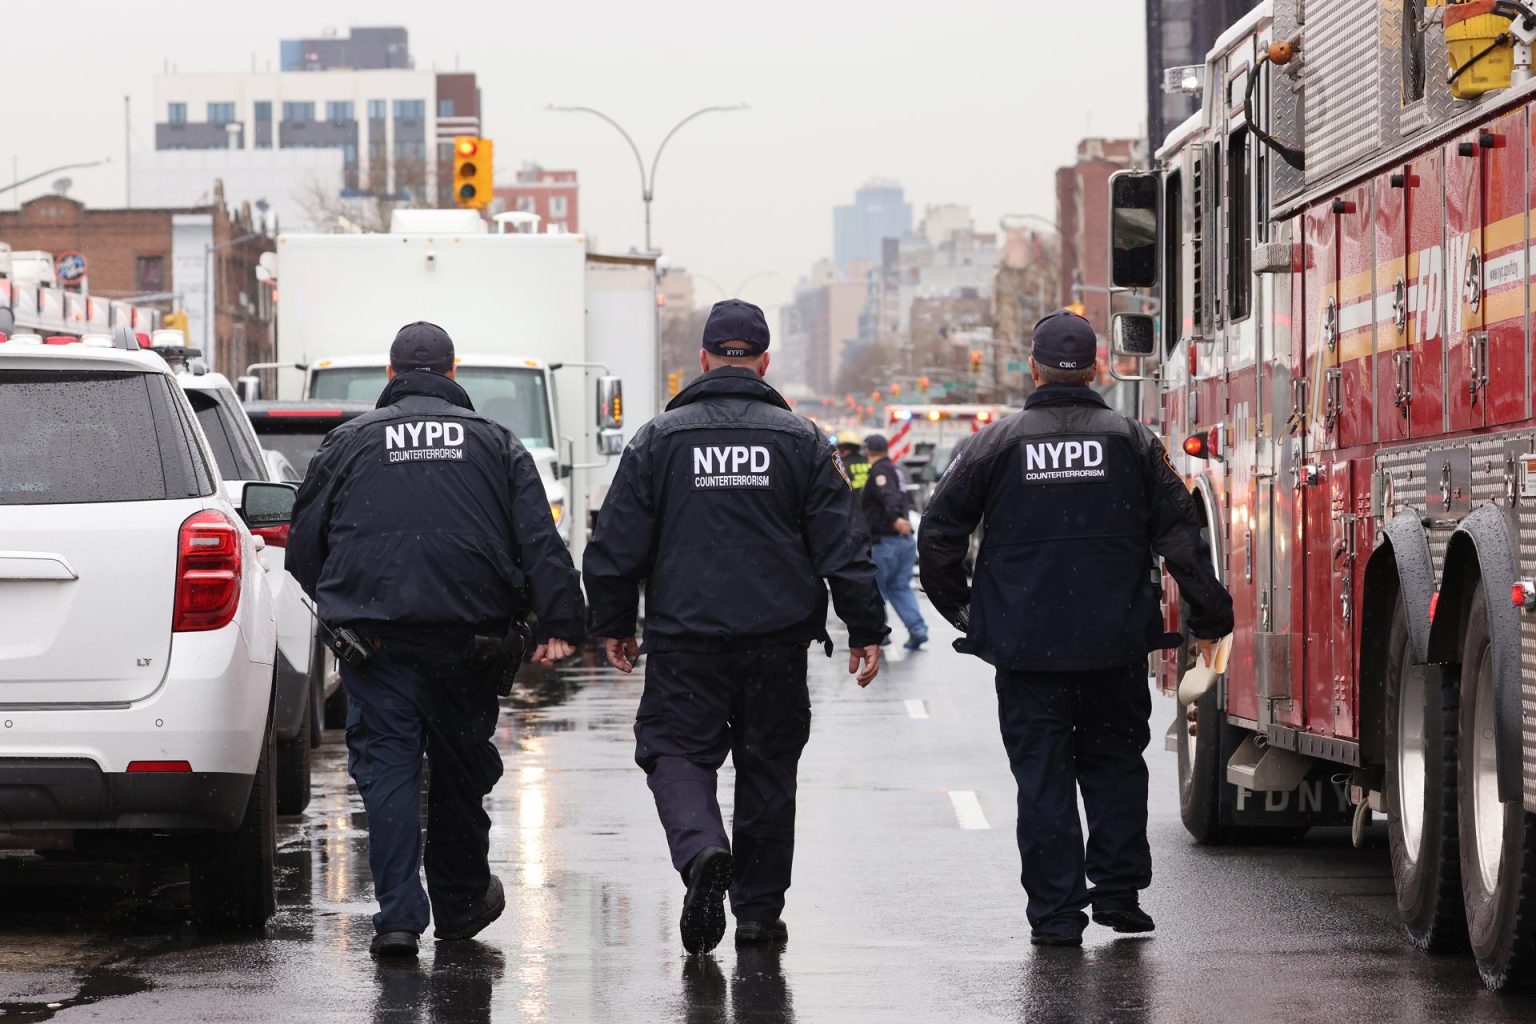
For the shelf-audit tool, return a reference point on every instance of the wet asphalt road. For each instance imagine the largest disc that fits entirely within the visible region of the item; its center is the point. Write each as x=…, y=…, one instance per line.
x=906, y=905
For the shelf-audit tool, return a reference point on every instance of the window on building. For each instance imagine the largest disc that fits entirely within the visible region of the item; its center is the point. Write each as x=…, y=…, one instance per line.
x=377, y=109
x=149, y=274
x=410, y=110
x=445, y=108
x=557, y=205
x=414, y=151
x=299, y=111
x=338, y=110
x=221, y=113
x=445, y=152
x=176, y=113
x=263, y=110
x=525, y=204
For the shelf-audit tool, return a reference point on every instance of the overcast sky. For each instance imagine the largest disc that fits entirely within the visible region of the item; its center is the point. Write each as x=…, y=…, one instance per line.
x=968, y=101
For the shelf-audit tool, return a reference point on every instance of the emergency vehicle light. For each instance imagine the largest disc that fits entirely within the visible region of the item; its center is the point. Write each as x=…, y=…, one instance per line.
x=984, y=416
x=303, y=412
x=935, y=415
x=1195, y=445
x=1523, y=595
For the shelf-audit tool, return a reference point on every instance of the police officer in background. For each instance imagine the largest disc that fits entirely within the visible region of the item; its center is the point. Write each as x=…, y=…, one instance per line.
x=732, y=511
x=1076, y=500
x=422, y=530
x=886, y=505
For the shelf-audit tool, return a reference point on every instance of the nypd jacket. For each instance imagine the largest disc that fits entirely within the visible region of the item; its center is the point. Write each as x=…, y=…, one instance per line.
x=884, y=499
x=424, y=514
x=732, y=511
x=1075, y=500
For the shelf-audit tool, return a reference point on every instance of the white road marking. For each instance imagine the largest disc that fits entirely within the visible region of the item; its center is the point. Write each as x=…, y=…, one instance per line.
x=917, y=708
x=968, y=809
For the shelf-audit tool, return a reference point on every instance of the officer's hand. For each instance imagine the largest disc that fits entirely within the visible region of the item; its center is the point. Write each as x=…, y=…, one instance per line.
x=904, y=526
x=870, y=657
x=552, y=651
x=1207, y=649
x=622, y=653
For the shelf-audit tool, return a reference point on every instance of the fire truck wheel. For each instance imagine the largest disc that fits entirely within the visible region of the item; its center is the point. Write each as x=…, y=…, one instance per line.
x=1207, y=802
x=1420, y=795
x=1498, y=840
x=1198, y=768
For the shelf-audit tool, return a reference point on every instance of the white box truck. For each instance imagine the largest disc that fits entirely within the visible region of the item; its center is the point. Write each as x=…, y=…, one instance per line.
x=537, y=322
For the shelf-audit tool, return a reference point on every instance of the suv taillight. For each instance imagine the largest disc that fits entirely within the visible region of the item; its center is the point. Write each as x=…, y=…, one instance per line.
x=207, y=572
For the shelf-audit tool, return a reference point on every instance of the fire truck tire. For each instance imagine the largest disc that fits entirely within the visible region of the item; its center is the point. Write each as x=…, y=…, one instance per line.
x=1198, y=768
x=1207, y=801
x=1420, y=794
x=1498, y=840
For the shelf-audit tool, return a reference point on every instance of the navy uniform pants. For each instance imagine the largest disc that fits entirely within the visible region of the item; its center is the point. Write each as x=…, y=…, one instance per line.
x=408, y=701
x=696, y=709
x=1071, y=731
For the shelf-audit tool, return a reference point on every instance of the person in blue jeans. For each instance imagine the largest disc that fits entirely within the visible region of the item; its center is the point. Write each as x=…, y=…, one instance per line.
x=885, y=504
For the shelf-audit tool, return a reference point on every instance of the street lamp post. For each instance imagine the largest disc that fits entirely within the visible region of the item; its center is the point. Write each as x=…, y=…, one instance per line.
x=54, y=170
x=647, y=178
x=210, y=293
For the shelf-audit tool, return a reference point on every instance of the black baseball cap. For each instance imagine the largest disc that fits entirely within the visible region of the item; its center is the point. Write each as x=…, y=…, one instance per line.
x=877, y=443
x=1066, y=341
x=735, y=328
x=421, y=346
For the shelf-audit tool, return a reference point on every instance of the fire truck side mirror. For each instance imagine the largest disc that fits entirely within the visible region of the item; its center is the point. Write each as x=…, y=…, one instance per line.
x=1133, y=335
x=610, y=403
x=1133, y=228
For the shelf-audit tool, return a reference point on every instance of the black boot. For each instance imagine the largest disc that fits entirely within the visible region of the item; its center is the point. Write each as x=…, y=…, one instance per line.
x=703, y=920
x=761, y=933
x=1129, y=920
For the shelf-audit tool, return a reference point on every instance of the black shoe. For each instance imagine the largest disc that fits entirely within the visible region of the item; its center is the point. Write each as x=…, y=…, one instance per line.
x=703, y=920
x=1128, y=920
x=761, y=933
x=915, y=643
x=495, y=903
x=1039, y=939
x=390, y=944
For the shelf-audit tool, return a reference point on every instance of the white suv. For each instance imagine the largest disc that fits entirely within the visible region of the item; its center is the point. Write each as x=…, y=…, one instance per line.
x=138, y=636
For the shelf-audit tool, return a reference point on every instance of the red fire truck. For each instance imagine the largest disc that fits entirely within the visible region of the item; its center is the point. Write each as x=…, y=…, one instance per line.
x=1343, y=369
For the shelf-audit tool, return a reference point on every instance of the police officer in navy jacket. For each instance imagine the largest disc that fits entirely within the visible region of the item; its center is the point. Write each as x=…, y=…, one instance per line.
x=735, y=515
x=423, y=526
x=1075, y=500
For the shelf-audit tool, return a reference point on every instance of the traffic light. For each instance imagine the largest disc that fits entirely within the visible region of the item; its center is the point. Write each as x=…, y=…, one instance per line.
x=976, y=361
x=922, y=384
x=472, y=183
x=895, y=390
x=1078, y=308
x=674, y=383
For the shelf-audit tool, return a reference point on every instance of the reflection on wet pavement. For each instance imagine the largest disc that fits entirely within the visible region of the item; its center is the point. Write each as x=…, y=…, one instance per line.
x=898, y=913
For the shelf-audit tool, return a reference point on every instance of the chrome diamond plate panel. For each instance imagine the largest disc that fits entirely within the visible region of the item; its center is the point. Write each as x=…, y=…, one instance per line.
x=1345, y=84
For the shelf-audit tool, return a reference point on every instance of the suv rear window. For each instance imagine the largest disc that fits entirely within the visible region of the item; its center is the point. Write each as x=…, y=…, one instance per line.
x=230, y=449
x=75, y=436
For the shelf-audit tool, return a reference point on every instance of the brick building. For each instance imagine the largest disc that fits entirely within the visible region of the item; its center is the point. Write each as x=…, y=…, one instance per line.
x=553, y=195
x=1082, y=212
x=162, y=257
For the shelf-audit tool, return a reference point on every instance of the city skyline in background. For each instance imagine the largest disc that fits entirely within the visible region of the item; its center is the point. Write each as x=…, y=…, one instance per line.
x=739, y=195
